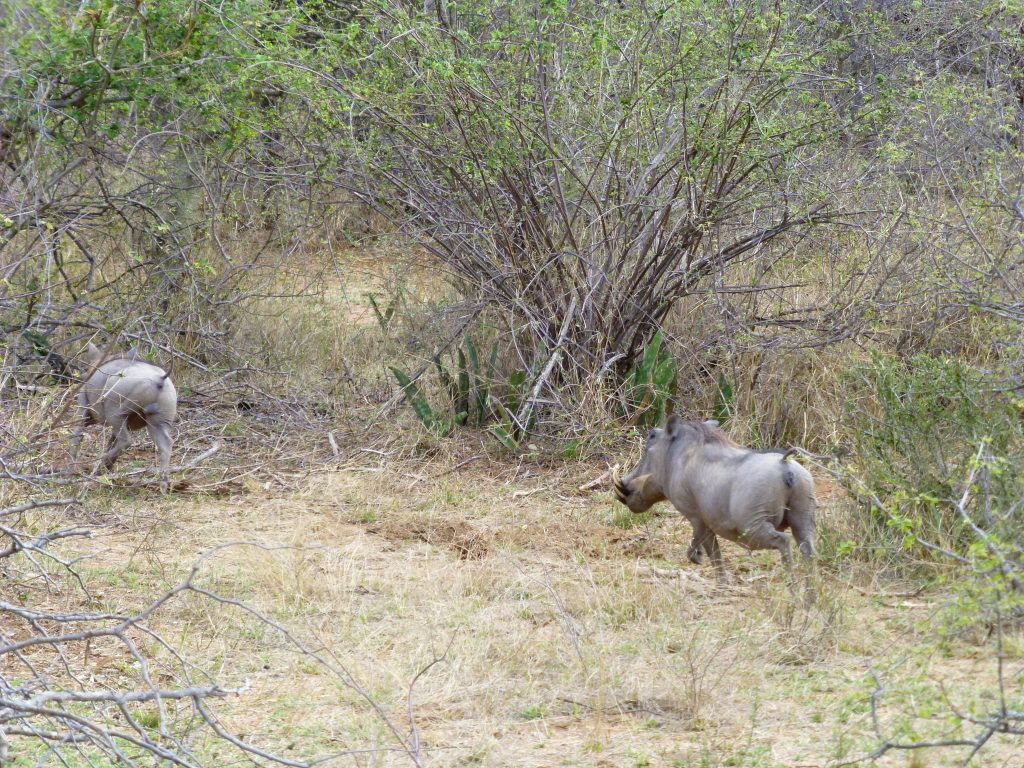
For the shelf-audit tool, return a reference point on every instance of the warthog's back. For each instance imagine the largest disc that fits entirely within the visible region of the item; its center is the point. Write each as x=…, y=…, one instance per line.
x=136, y=390
x=732, y=487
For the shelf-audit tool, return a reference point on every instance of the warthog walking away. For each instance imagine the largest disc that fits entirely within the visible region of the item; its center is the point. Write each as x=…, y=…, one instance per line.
x=742, y=495
x=126, y=394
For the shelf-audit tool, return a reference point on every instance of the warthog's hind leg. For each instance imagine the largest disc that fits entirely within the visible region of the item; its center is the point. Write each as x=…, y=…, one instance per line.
x=120, y=438
x=766, y=536
x=801, y=520
x=710, y=544
x=804, y=535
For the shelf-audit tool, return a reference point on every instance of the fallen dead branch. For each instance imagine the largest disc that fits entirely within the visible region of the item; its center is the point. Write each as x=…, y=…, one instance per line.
x=160, y=707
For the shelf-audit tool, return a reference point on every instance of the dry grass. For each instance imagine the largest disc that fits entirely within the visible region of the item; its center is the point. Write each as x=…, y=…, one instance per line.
x=567, y=640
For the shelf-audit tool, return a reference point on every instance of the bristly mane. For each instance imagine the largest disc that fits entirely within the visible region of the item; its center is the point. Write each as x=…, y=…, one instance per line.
x=709, y=434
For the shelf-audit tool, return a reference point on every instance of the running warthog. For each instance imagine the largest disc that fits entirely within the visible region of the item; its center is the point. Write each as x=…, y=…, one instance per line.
x=126, y=393
x=742, y=495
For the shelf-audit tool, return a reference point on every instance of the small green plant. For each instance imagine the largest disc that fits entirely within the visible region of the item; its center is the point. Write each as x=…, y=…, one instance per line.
x=651, y=384
x=724, y=396
x=534, y=712
x=623, y=518
x=470, y=387
x=571, y=449
x=436, y=424
x=505, y=433
x=387, y=315
x=470, y=384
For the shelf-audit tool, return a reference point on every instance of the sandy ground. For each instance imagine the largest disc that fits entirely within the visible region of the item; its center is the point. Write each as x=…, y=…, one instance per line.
x=515, y=621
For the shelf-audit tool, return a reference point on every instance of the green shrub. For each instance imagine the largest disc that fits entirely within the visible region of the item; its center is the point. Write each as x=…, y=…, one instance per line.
x=916, y=432
x=475, y=395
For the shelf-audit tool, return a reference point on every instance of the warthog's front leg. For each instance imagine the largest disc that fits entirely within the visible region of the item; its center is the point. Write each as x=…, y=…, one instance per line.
x=162, y=437
x=700, y=533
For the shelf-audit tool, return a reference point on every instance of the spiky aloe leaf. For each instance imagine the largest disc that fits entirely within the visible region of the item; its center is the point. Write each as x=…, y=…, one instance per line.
x=479, y=406
x=723, y=400
x=446, y=381
x=484, y=391
x=651, y=383
x=516, y=390
x=651, y=355
x=462, y=401
x=419, y=404
x=382, y=321
x=664, y=376
x=40, y=343
x=504, y=436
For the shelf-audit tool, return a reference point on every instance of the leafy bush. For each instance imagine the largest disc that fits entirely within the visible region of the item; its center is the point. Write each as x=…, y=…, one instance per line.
x=919, y=430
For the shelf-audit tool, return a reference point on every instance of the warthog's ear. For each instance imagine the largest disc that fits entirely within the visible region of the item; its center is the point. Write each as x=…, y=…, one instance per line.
x=673, y=425
x=133, y=353
x=93, y=352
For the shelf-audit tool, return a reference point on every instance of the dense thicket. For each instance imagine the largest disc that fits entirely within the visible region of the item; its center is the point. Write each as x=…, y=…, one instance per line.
x=750, y=179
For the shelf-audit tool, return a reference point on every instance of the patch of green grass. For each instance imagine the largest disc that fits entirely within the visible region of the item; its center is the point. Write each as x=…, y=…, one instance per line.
x=534, y=712
x=621, y=517
x=235, y=428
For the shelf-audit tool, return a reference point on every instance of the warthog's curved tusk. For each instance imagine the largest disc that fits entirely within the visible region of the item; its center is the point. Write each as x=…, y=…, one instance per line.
x=620, y=490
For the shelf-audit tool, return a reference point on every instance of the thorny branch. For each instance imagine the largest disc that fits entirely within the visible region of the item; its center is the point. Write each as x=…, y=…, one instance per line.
x=1002, y=576
x=158, y=704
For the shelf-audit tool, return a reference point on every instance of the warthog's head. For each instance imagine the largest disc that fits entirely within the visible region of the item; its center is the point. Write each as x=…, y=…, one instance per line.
x=646, y=484
x=642, y=488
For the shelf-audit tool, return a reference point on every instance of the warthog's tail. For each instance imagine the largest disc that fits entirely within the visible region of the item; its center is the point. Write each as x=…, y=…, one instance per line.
x=788, y=476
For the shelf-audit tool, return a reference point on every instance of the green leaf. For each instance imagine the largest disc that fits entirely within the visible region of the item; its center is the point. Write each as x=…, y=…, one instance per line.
x=504, y=436
x=420, y=405
x=462, y=401
x=722, y=409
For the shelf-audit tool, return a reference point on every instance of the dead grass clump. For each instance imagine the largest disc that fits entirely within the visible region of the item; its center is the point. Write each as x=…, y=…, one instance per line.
x=809, y=617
